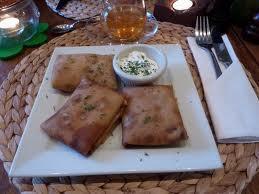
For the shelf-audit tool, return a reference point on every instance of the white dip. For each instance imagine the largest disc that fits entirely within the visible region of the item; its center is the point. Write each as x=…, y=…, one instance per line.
x=137, y=63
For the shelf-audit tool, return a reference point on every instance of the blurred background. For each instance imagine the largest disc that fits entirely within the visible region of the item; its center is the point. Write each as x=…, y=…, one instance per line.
x=223, y=14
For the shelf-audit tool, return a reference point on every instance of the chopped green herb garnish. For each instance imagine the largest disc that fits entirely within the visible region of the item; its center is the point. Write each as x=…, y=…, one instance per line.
x=89, y=107
x=146, y=72
x=138, y=64
x=99, y=69
x=70, y=60
x=147, y=119
x=87, y=97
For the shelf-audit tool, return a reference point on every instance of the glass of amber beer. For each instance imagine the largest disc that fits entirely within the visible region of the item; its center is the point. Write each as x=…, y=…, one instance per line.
x=126, y=20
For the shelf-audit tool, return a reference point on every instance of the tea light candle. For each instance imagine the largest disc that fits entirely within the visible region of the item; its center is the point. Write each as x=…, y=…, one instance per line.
x=10, y=26
x=181, y=5
x=9, y=23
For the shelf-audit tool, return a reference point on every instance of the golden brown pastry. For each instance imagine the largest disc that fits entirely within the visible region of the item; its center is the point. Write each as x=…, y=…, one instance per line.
x=86, y=118
x=152, y=117
x=69, y=69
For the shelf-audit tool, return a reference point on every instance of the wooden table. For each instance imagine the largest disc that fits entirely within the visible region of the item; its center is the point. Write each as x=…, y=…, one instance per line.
x=247, y=53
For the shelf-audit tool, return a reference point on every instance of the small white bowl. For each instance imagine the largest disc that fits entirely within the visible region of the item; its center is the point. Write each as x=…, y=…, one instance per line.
x=134, y=80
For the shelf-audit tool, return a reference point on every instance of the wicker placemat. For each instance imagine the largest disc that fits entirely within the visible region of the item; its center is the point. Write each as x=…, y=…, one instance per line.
x=17, y=95
x=80, y=9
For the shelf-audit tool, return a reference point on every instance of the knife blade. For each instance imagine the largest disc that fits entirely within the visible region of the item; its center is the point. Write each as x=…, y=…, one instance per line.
x=61, y=4
x=220, y=48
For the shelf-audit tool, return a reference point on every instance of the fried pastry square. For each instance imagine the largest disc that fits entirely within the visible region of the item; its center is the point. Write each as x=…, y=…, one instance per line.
x=152, y=117
x=68, y=70
x=87, y=117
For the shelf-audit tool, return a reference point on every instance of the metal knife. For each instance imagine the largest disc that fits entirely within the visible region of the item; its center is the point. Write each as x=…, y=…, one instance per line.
x=220, y=48
x=61, y=4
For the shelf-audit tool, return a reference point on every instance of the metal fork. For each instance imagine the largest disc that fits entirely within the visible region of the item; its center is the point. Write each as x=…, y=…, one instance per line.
x=204, y=40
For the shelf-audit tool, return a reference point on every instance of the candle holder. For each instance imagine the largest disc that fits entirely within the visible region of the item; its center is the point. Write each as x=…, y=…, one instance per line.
x=18, y=22
x=182, y=11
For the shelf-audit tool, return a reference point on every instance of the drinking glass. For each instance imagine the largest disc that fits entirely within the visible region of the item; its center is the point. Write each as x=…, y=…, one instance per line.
x=128, y=21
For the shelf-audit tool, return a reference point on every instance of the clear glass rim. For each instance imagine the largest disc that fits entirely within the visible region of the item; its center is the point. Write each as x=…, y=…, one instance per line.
x=19, y=4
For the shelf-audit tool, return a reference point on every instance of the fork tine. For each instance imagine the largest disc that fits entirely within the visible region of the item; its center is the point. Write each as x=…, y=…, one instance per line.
x=197, y=26
x=200, y=28
x=204, y=40
x=204, y=26
x=208, y=26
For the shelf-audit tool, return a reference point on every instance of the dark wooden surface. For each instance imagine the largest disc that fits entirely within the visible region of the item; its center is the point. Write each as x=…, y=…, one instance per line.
x=248, y=54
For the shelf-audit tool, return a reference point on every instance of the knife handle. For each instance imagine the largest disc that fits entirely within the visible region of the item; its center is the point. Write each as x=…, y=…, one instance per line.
x=215, y=64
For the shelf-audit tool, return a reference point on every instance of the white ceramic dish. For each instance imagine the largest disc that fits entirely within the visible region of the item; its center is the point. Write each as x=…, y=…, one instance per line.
x=151, y=52
x=38, y=155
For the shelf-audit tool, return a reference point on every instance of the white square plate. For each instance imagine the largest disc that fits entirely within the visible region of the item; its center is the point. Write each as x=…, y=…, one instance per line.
x=38, y=155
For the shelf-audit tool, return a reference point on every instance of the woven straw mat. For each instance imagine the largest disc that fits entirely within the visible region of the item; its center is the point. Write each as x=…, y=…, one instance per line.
x=80, y=9
x=19, y=90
